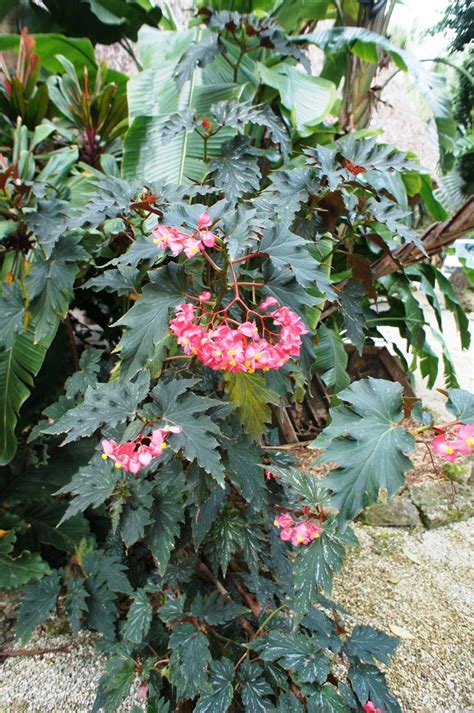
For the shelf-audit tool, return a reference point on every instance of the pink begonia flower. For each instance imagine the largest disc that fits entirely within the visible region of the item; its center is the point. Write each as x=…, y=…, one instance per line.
x=192, y=247
x=270, y=476
x=464, y=439
x=204, y=220
x=142, y=691
x=177, y=241
x=268, y=302
x=369, y=707
x=298, y=533
x=208, y=238
x=241, y=349
x=284, y=520
x=134, y=455
x=205, y=296
x=445, y=449
x=286, y=534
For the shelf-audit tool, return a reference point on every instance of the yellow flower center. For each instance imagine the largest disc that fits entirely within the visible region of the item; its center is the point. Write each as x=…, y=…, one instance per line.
x=257, y=356
x=266, y=368
x=247, y=363
x=232, y=362
x=104, y=456
x=231, y=352
x=275, y=522
x=470, y=441
x=184, y=340
x=449, y=450
x=118, y=465
x=251, y=371
x=163, y=446
x=299, y=538
x=315, y=535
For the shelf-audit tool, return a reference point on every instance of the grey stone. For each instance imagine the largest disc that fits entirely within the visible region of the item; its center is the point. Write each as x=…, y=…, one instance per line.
x=398, y=512
x=443, y=503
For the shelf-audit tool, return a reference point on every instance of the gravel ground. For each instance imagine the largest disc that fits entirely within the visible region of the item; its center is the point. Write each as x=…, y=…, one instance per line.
x=418, y=586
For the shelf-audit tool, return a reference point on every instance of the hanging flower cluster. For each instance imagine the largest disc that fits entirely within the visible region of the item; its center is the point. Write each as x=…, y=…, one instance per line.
x=177, y=241
x=240, y=348
x=134, y=455
x=449, y=445
x=298, y=533
x=369, y=707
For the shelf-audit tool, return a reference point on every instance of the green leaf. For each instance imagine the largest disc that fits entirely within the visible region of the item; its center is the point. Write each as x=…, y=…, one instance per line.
x=166, y=514
x=226, y=537
x=139, y=618
x=369, y=683
x=121, y=281
x=250, y=394
x=187, y=410
x=352, y=297
x=282, y=285
x=367, y=644
x=115, y=684
x=297, y=653
x=371, y=155
x=107, y=570
x=222, y=674
x=39, y=600
x=17, y=571
x=366, y=441
x=104, y=404
x=50, y=285
x=199, y=53
x=308, y=99
x=48, y=223
x=461, y=404
x=12, y=309
x=331, y=359
x=289, y=702
x=78, y=382
x=135, y=512
x=315, y=567
x=214, y=609
x=390, y=214
x=285, y=249
x=255, y=689
x=207, y=513
x=91, y=486
x=43, y=516
x=75, y=604
x=306, y=486
x=18, y=366
x=101, y=608
x=327, y=700
x=237, y=171
x=189, y=660
x=245, y=471
x=147, y=321
x=109, y=198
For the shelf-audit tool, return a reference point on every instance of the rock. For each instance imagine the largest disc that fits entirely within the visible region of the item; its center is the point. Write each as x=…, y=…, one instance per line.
x=439, y=505
x=398, y=512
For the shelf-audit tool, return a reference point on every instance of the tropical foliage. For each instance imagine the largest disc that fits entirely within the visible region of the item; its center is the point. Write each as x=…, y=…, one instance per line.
x=182, y=252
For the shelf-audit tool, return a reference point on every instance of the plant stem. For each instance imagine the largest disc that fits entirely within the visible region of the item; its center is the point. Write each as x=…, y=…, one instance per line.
x=269, y=618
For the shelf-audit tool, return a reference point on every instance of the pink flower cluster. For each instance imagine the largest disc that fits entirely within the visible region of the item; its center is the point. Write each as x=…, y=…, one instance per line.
x=458, y=442
x=178, y=242
x=134, y=455
x=298, y=533
x=242, y=348
x=369, y=707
